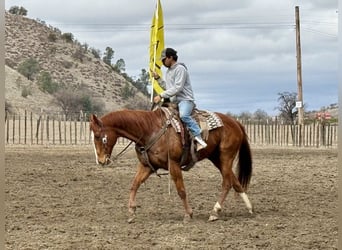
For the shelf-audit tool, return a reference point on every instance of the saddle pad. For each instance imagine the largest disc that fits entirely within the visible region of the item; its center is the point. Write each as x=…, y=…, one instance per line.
x=174, y=121
x=206, y=119
x=213, y=120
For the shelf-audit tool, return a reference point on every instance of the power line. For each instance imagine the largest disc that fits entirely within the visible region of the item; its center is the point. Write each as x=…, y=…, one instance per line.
x=318, y=32
x=212, y=26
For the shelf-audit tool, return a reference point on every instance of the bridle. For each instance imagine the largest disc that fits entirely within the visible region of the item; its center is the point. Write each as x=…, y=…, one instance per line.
x=142, y=149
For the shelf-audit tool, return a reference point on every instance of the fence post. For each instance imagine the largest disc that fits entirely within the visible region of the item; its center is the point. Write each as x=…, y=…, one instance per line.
x=47, y=129
x=7, y=130
x=19, y=128
x=70, y=130
x=31, y=120
x=25, y=125
x=13, y=130
x=81, y=125
x=59, y=129
x=318, y=135
x=53, y=131
x=64, y=116
x=75, y=122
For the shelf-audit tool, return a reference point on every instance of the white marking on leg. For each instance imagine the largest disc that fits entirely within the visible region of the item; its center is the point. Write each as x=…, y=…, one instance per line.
x=247, y=202
x=217, y=207
x=92, y=139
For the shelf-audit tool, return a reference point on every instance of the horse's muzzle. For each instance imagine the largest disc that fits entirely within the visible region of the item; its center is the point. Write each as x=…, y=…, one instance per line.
x=106, y=161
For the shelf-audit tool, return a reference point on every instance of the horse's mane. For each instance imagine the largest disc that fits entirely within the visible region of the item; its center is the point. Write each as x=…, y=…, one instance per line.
x=141, y=119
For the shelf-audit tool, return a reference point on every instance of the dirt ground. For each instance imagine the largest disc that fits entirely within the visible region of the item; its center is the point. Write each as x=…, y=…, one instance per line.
x=58, y=198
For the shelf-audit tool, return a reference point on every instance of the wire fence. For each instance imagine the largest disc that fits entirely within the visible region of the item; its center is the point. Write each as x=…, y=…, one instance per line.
x=57, y=129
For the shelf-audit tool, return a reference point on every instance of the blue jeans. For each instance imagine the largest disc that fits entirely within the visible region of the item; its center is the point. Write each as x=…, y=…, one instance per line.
x=185, y=109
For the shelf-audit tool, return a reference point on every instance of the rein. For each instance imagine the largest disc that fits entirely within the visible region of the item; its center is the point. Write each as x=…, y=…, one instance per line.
x=143, y=149
x=122, y=151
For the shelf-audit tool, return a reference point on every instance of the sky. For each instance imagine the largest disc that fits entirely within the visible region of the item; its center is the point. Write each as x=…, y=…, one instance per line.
x=240, y=54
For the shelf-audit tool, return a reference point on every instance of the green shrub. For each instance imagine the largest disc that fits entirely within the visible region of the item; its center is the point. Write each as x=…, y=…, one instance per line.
x=68, y=37
x=52, y=37
x=29, y=68
x=16, y=10
x=25, y=92
x=46, y=83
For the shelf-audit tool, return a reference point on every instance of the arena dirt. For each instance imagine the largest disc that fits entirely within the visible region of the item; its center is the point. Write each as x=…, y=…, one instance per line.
x=58, y=198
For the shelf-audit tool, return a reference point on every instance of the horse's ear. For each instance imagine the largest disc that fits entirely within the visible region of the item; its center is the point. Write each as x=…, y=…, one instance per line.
x=95, y=121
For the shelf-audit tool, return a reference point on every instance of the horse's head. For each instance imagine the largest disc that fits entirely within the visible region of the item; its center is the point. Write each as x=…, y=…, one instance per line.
x=103, y=138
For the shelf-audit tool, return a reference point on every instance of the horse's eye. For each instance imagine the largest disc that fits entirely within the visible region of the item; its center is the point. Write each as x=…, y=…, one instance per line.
x=104, y=139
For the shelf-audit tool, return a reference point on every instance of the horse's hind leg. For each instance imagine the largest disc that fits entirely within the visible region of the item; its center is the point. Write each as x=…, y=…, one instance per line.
x=238, y=188
x=142, y=174
x=227, y=182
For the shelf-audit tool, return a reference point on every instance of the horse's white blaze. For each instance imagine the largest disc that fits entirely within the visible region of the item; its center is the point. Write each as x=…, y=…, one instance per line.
x=247, y=202
x=217, y=207
x=92, y=139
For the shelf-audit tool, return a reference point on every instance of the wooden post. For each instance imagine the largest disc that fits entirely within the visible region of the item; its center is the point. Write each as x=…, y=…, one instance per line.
x=64, y=129
x=47, y=129
x=70, y=129
x=37, y=131
x=13, y=130
x=42, y=131
x=75, y=122
x=31, y=120
x=60, y=129
x=19, y=128
x=53, y=131
x=7, y=130
x=25, y=126
x=299, y=71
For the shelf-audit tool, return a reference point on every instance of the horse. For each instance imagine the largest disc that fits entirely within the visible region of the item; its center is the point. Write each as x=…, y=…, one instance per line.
x=159, y=146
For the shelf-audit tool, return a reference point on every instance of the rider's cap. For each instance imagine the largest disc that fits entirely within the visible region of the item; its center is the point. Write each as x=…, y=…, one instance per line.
x=167, y=53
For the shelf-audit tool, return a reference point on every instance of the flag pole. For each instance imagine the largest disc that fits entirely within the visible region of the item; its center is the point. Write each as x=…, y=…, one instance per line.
x=154, y=47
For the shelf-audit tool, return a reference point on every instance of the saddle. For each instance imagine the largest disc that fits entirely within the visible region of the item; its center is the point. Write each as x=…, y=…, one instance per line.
x=206, y=120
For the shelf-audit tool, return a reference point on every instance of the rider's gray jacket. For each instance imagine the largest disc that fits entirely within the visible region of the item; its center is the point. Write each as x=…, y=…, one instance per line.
x=177, y=84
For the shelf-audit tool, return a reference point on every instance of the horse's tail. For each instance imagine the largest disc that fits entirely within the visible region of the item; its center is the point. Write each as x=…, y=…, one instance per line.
x=245, y=161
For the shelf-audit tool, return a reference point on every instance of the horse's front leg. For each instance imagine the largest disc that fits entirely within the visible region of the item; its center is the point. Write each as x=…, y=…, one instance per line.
x=142, y=174
x=176, y=174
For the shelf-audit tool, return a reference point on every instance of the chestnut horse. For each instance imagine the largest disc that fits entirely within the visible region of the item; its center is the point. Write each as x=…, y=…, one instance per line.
x=159, y=146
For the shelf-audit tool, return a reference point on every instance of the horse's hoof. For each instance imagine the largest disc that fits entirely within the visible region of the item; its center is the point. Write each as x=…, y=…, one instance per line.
x=187, y=218
x=213, y=218
x=131, y=219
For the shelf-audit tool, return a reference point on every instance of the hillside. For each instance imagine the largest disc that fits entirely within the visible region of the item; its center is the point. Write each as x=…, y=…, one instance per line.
x=26, y=38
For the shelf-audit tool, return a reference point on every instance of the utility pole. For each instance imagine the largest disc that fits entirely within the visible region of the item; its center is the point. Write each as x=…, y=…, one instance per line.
x=299, y=103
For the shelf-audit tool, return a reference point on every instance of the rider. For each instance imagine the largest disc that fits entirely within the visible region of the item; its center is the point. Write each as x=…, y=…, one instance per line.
x=178, y=89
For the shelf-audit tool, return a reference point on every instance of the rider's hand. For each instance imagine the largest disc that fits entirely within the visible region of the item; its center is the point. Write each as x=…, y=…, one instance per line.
x=157, y=99
x=155, y=75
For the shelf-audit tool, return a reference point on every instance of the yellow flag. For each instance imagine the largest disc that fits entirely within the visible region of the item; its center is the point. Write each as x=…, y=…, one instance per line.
x=156, y=46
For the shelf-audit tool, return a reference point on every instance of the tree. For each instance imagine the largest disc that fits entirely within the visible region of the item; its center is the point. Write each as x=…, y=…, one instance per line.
x=68, y=37
x=108, y=56
x=245, y=116
x=287, y=103
x=68, y=100
x=143, y=81
x=72, y=101
x=127, y=91
x=16, y=10
x=29, y=68
x=120, y=66
x=260, y=115
x=95, y=52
